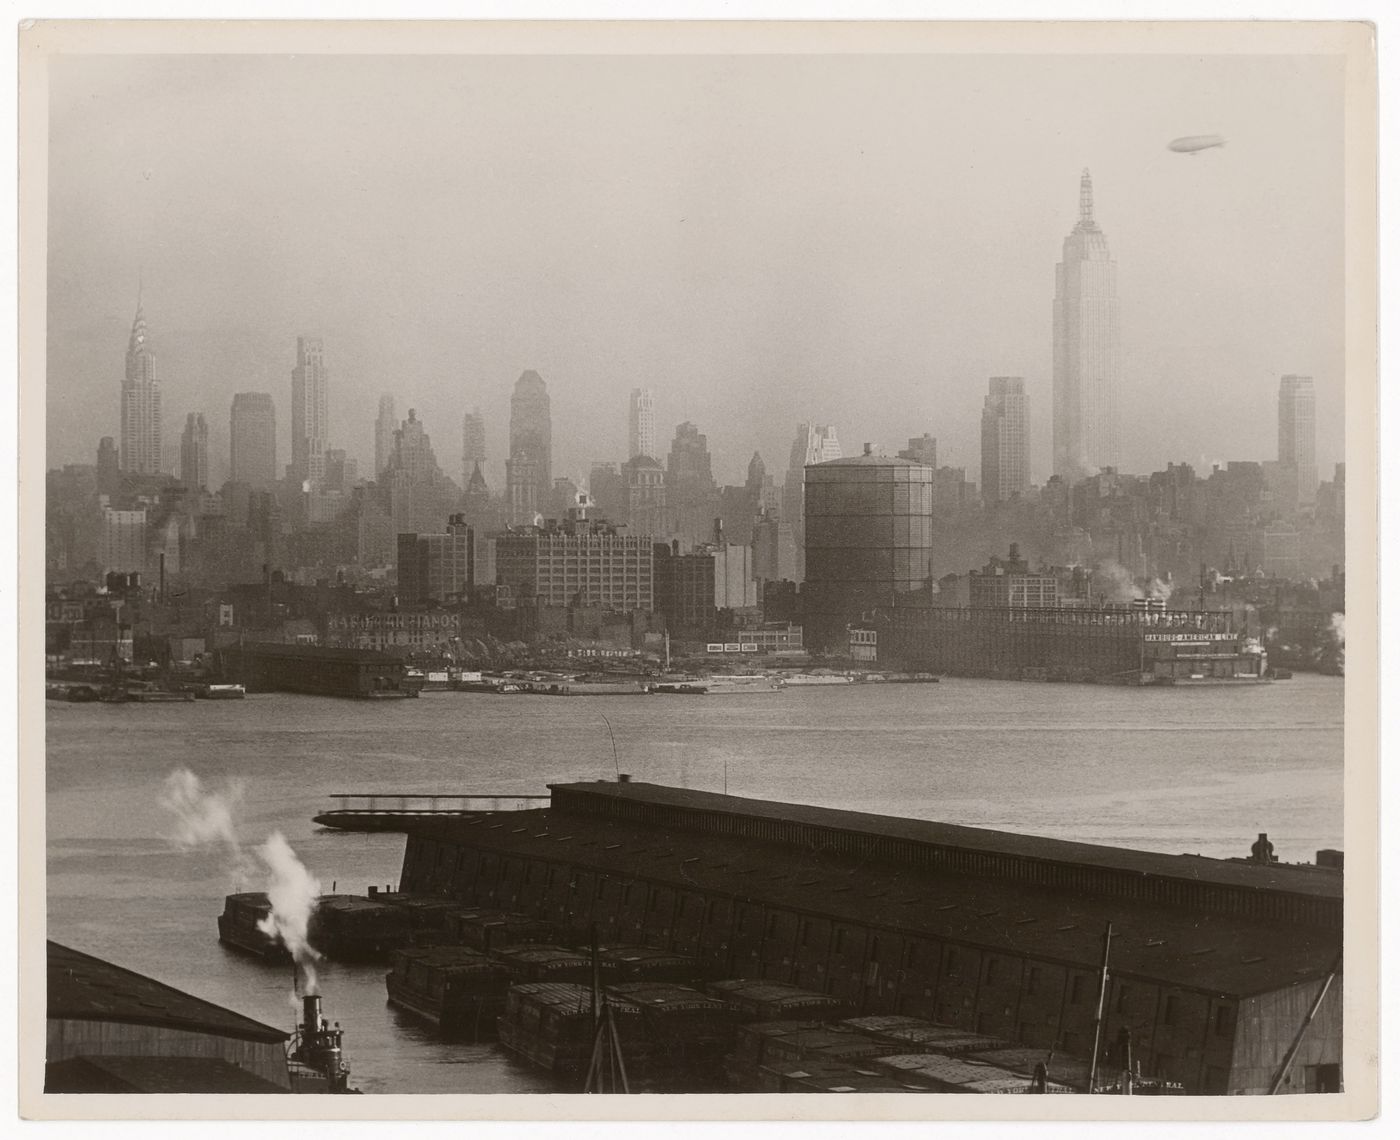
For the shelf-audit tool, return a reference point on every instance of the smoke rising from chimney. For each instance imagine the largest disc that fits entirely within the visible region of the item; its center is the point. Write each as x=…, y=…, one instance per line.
x=204, y=819
x=293, y=891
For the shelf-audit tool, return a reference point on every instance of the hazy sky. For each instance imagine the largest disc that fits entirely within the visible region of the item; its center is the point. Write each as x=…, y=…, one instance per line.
x=759, y=239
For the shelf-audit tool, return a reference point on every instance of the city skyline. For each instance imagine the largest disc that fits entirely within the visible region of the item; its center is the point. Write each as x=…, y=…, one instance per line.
x=914, y=308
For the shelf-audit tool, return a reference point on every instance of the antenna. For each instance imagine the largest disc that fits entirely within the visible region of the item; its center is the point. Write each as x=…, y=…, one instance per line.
x=617, y=770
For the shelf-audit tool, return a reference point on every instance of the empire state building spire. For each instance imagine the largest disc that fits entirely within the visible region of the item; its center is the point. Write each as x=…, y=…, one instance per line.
x=1086, y=202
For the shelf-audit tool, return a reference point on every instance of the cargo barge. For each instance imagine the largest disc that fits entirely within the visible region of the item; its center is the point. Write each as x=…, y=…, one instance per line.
x=344, y=928
x=553, y=1025
x=456, y=989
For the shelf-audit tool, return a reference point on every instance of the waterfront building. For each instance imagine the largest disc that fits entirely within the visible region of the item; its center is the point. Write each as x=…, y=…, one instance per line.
x=436, y=567
x=473, y=443
x=869, y=542
x=815, y=443
x=397, y=631
x=773, y=637
x=1297, y=442
x=577, y=562
x=1010, y=584
x=685, y=588
x=141, y=424
x=123, y=544
x=1004, y=440
x=1213, y=968
x=109, y=467
x=253, y=440
x=112, y=1030
x=194, y=453
x=530, y=431
x=641, y=423
x=385, y=425
x=310, y=411
x=735, y=587
x=646, y=497
x=1086, y=349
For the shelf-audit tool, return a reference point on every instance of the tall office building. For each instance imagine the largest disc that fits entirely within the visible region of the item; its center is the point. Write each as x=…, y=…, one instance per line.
x=385, y=425
x=815, y=443
x=641, y=424
x=1297, y=440
x=309, y=412
x=473, y=443
x=690, y=484
x=253, y=440
x=109, y=467
x=530, y=430
x=1086, y=380
x=524, y=505
x=194, y=452
x=1004, y=440
x=141, y=434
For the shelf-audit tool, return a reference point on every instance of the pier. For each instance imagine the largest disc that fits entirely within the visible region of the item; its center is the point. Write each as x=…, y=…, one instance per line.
x=392, y=811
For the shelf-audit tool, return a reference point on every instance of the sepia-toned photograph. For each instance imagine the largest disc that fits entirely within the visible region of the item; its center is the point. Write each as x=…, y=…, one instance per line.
x=731, y=559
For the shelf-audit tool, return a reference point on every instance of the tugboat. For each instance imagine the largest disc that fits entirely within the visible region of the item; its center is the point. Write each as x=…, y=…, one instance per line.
x=316, y=1062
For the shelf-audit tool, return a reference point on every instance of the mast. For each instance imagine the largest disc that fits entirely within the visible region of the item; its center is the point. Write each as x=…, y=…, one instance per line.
x=1098, y=1012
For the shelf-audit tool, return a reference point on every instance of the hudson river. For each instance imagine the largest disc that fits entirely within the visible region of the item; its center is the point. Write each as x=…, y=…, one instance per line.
x=1176, y=770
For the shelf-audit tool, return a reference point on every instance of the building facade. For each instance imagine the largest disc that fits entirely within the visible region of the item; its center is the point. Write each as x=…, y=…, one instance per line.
x=1086, y=350
x=1297, y=441
x=814, y=443
x=524, y=502
x=691, y=497
x=437, y=567
x=578, y=563
x=531, y=432
x=194, y=452
x=685, y=588
x=141, y=423
x=253, y=440
x=1010, y=584
x=646, y=497
x=1004, y=440
x=310, y=411
x=869, y=542
x=641, y=423
x=386, y=423
x=123, y=546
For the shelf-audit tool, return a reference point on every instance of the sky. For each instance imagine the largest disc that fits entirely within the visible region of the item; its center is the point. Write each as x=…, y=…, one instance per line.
x=761, y=240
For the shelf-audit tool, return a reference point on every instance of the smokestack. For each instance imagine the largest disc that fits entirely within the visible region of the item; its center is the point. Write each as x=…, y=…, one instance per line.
x=310, y=1014
x=869, y=448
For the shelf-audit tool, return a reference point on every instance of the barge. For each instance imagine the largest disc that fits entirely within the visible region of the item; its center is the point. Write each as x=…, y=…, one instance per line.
x=553, y=1025
x=454, y=988
x=344, y=928
x=687, y=1032
x=533, y=962
x=757, y=1000
x=482, y=928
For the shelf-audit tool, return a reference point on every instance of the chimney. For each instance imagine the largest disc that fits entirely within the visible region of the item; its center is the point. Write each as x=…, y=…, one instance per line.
x=624, y=778
x=869, y=448
x=310, y=1015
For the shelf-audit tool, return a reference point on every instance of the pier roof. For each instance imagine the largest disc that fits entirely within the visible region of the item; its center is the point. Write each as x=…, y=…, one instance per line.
x=1206, y=951
x=84, y=988
x=1293, y=878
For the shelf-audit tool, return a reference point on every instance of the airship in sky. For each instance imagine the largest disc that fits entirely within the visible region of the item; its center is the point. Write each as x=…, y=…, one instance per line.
x=1192, y=143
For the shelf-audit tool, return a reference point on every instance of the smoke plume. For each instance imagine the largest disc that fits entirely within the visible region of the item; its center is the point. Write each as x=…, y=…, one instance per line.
x=205, y=819
x=292, y=891
x=1115, y=583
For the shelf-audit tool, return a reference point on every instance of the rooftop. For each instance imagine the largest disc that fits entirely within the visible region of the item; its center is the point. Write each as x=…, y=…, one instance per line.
x=84, y=988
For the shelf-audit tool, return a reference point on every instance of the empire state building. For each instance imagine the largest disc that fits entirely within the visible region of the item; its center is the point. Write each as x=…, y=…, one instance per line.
x=1086, y=376
x=141, y=441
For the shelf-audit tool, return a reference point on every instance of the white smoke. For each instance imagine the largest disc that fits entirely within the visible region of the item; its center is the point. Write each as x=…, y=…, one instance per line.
x=293, y=892
x=204, y=819
x=1159, y=589
x=1115, y=583
x=1338, y=626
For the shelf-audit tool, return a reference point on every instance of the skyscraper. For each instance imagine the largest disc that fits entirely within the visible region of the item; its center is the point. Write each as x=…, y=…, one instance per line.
x=473, y=443
x=1004, y=439
x=641, y=424
x=141, y=438
x=253, y=440
x=385, y=425
x=1297, y=440
x=1086, y=349
x=309, y=412
x=109, y=476
x=815, y=443
x=690, y=484
x=194, y=452
x=530, y=430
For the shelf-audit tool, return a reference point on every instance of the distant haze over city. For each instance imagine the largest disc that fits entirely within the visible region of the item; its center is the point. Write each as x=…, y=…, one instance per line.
x=860, y=241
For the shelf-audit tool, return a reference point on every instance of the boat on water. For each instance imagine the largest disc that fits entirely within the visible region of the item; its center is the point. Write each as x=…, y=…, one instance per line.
x=143, y=692
x=687, y=1032
x=552, y=1025
x=345, y=928
x=221, y=692
x=458, y=990
x=717, y=685
x=800, y=679
x=584, y=687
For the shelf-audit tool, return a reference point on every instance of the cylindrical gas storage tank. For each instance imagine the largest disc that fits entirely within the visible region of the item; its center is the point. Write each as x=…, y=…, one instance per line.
x=869, y=542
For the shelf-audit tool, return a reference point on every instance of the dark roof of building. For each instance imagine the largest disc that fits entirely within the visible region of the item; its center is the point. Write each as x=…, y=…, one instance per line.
x=313, y=653
x=1187, y=947
x=1294, y=878
x=112, y=1074
x=84, y=988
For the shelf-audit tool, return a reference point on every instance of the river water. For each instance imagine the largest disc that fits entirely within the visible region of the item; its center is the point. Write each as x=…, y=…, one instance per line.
x=1176, y=770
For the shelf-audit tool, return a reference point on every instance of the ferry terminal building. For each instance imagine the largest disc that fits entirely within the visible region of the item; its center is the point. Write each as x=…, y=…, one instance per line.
x=1213, y=967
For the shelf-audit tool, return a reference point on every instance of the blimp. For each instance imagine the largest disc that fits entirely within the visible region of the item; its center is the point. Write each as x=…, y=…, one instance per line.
x=1193, y=143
